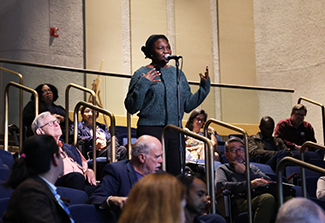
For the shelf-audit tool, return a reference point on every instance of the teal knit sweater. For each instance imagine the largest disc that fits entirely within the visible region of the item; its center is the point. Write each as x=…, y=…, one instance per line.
x=157, y=102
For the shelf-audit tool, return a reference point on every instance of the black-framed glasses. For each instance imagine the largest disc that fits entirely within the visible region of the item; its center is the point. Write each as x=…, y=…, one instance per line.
x=240, y=150
x=51, y=123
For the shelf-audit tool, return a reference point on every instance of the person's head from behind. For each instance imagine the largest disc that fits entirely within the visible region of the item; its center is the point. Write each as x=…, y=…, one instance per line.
x=46, y=124
x=156, y=48
x=147, y=152
x=47, y=93
x=196, y=120
x=157, y=197
x=267, y=126
x=39, y=153
x=196, y=192
x=300, y=210
x=87, y=114
x=298, y=114
x=235, y=151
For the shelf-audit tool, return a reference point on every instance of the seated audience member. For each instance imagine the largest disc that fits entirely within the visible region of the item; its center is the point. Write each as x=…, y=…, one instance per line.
x=103, y=137
x=76, y=175
x=264, y=148
x=294, y=131
x=232, y=176
x=157, y=197
x=320, y=192
x=47, y=94
x=194, y=147
x=33, y=176
x=119, y=177
x=300, y=210
x=197, y=200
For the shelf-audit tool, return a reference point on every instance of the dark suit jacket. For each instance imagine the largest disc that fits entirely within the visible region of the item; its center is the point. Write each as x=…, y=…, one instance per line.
x=33, y=201
x=119, y=177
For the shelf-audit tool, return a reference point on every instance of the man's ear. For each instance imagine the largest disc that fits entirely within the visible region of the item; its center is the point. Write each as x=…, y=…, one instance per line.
x=142, y=157
x=39, y=131
x=55, y=160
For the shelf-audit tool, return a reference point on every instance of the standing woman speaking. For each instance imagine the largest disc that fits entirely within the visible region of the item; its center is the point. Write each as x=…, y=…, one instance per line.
x=153, y=92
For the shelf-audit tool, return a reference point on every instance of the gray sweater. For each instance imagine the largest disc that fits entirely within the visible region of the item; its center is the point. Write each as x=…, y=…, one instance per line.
x=157, y=102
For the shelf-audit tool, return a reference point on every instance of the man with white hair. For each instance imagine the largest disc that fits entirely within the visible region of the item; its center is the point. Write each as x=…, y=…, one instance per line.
x=119, y=177
x=76, y=175
x=300, y=210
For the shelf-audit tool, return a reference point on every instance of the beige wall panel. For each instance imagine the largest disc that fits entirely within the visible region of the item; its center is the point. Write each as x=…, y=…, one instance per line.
x=193, y=42
x=147, y=17
x=104, y=42
x=237, y=60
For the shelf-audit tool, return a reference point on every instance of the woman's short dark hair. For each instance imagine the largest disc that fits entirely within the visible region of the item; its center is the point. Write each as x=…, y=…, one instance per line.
x=196, y=112
x=83, y=108
x=36, y=158
x=38, y=89
x=147, y=49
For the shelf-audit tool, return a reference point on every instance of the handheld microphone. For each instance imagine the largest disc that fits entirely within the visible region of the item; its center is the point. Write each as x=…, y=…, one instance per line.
x=174, y=57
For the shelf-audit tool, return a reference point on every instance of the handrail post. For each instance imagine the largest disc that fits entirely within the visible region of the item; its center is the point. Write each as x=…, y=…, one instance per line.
x=323, y=111
x=302, y=164
x=67, y=105
x=128, y=116
x=302, y=157
x=20, y=105
x=113, y=129
x=247, y=163
x=21, y=87
x=208, y=157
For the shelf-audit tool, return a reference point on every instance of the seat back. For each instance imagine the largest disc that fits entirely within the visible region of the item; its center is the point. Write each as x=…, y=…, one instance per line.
x=7, y=158
x=5, y=191
x=122, y=134
x=84, y=213
x=101, y=163
x=73, y=195
x=4, y=174
x=266, y=169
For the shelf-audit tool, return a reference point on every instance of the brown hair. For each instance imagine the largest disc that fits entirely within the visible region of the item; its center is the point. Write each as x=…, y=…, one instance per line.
x=196, y=112
x=156, y=198
x=298, y=107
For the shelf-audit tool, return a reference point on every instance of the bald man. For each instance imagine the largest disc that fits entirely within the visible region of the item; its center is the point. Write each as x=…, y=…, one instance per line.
x=119, y=177
x=264, y=148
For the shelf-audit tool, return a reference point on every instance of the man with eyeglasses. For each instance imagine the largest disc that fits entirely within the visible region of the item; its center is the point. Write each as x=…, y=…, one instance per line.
x=232, y=176
x=76, y=175
x=294, y=131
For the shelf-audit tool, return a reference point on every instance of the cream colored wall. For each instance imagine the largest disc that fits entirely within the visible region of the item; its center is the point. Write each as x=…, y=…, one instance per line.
x=237, y=60
x=290, y=52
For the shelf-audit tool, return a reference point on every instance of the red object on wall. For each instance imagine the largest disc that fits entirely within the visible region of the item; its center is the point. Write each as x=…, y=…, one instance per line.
x=54, y=31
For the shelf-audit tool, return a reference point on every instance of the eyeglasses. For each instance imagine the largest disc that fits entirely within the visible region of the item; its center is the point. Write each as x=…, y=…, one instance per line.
x=51, y=123
x=199, y=119
x=46, y=90
x=240, y=150
x=299, y=114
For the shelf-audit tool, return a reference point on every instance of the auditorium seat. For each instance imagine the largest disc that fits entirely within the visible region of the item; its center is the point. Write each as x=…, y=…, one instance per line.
x=72, y=196
x=84, y=213
x=7, y=158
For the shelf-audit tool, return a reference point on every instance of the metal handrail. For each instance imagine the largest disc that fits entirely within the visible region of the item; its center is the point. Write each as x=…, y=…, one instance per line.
x=323, y=111
x=247, y=164
x=208, y=152
x=302, y=157
x=20, y=104
x=112, y=127
x=21, y=87
x=128, y=121
x=247, y=87
x=67, y=105
x=279, y=172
